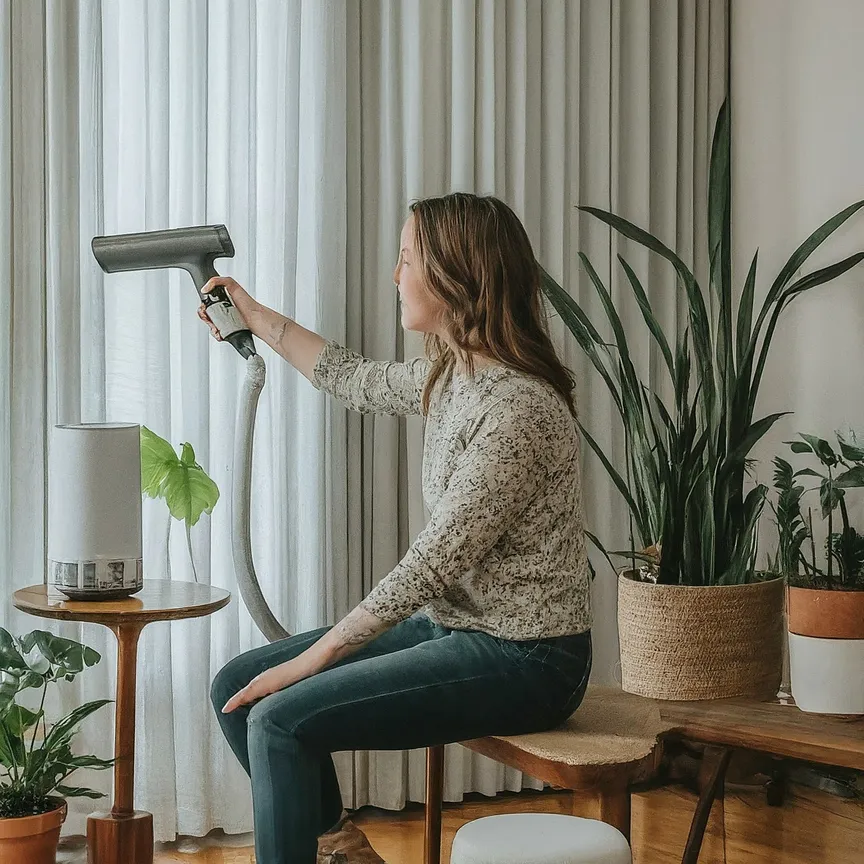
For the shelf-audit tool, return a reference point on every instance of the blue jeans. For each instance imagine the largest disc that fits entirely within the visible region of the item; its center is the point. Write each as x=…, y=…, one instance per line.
x=417, y=685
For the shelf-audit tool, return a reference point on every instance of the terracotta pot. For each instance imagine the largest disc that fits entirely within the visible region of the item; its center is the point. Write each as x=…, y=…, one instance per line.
x=682, y=642
x=825, y=614
x=826, y=650
x=32, y=839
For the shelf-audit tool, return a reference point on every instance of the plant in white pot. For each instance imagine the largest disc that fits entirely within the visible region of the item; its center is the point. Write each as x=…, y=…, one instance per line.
x=180, y=481
x=825, y=594
x=696, y=618
x=36, y=757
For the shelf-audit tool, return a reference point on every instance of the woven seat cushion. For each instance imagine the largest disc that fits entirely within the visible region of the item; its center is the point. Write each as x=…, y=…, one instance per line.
x=538, y=838
x=610, y=727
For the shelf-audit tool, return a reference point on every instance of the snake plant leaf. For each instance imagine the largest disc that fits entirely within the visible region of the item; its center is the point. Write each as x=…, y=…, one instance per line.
x=179, y=480
x=648, y=316
x=745, y=309
x=805, y=250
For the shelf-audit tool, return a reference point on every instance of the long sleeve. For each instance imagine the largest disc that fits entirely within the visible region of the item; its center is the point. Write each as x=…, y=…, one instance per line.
x=371, y=386
x=514, y=449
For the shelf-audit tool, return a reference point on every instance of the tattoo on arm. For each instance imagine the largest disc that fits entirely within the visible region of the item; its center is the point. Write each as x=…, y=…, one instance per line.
x=356, y=629
x=277, y=332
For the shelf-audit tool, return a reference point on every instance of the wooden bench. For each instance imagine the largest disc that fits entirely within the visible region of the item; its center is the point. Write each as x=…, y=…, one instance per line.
x=615, y=740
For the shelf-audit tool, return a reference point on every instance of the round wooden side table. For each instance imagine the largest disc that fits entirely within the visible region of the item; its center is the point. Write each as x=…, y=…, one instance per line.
x=124, y=835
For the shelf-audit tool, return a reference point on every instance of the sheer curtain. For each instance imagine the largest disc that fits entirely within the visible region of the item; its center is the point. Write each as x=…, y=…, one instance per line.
x=306, y=127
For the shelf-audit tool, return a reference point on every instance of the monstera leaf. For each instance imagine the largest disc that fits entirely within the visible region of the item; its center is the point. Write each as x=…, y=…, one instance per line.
x=179, y=480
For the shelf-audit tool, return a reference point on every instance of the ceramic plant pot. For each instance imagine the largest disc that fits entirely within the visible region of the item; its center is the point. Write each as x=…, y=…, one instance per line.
x=32, y=839
x=826, y=650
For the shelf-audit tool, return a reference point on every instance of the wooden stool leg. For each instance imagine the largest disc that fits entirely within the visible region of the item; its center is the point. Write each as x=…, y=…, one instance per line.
x=712, y=777
x=613, y=808
x=434, y=804
x=123, y=836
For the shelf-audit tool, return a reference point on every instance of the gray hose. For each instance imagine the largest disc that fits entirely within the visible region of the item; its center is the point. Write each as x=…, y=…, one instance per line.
x=241, y=535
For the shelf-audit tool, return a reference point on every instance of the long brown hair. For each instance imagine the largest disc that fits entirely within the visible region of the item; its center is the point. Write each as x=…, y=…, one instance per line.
x=476, y=258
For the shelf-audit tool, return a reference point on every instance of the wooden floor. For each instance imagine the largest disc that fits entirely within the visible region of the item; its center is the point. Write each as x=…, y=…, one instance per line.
x=812, y=827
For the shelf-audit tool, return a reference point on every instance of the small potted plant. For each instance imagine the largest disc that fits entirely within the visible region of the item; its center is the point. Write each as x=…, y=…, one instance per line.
x=825, y=594
x=36, y=756
x=696, y=618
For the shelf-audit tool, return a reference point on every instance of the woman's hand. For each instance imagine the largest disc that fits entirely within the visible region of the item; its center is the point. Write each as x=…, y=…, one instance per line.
x=271, y=681
x=243, y=302
x=354, y=631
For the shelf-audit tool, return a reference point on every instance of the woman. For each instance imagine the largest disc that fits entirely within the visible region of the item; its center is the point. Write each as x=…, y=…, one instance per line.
x=483, y=627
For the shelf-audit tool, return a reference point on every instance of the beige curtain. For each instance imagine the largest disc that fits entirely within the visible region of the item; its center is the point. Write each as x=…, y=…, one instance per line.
x=307, y=126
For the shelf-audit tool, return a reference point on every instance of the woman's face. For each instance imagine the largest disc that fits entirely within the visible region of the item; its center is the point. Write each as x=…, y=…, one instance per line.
x=421, y=310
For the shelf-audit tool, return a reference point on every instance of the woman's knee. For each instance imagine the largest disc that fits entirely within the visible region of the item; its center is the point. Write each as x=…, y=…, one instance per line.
x=233, y=676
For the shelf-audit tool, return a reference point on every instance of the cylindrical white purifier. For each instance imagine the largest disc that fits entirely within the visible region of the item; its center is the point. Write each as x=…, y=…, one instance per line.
x=94, y=510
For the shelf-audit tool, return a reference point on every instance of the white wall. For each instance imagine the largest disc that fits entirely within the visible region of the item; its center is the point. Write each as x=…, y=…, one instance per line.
x=798, y=158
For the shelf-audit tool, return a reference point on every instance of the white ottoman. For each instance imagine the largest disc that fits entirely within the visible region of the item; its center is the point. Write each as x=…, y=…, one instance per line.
x=539, y=838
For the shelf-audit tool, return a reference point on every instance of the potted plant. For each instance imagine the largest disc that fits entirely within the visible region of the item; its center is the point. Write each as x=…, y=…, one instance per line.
x=696, y=618
x=180, y=481
x=36, y=757
x=825, y=594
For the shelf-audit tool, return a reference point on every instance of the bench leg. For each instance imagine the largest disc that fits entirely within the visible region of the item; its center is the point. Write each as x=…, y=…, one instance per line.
x=434, y=803
x=613, y=808
x=712, y=777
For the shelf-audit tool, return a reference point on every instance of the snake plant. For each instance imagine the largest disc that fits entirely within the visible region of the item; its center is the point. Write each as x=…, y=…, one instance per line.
x=694, y=522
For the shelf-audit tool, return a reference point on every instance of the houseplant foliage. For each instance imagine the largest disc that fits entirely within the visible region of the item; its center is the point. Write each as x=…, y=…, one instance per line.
x=36, y=757
x=825, y=603
x=841, y=567
x=694, y=522
x=179, y=480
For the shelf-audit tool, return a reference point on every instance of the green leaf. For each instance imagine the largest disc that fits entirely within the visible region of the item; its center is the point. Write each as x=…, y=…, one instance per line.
x=189, y=492
x=65, y=727
x=92, y=762
x=821, y=448
x=9, y=688
x=65, y=656
x=745, y=310
x=809, y=472
x=12, y=749
x=10, y=657
x=157, y=459
x=78, y=792
x=648, y=316
x=807, y=248
x=852, y=452
x=799, y=447
x=853, y=478
x=829, y=497
x=19, y=719
x=181, y=482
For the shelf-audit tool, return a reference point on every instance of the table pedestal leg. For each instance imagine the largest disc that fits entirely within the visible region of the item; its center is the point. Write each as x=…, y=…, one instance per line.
x=123, y=835
x=434, y=804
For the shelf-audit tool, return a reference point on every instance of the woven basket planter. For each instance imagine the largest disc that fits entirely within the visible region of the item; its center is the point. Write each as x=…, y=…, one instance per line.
x=680, y=642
